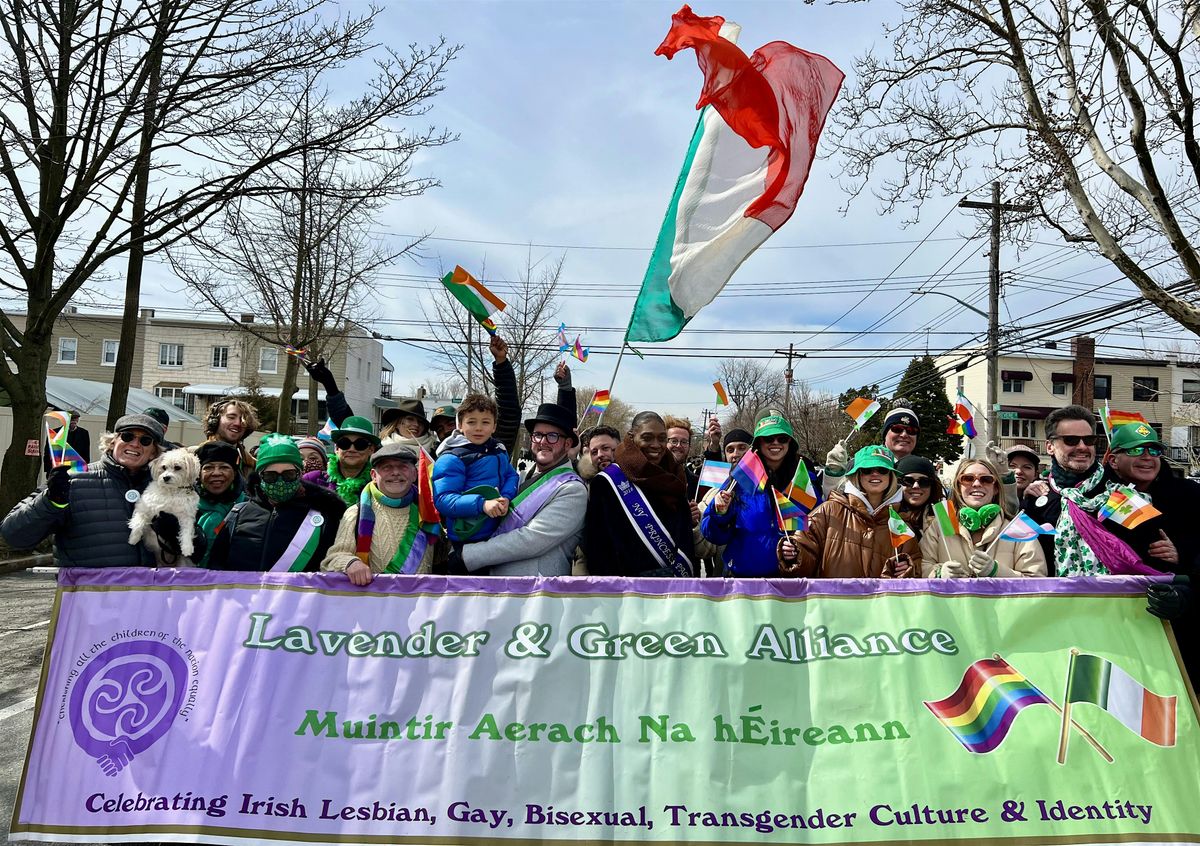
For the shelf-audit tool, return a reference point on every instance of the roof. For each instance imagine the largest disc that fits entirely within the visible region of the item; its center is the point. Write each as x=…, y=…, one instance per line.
x=89, y=397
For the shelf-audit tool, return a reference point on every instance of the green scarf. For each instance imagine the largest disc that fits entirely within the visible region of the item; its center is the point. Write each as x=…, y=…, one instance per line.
x=348, y=490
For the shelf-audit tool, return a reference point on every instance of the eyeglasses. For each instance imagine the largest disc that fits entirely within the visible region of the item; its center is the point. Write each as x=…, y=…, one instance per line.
x=774, y=439
x=130, y=437
x=901, y=429
x=358, y=443
x=1074, y=440
x=971, y=478
x=549, y=437
x=916, y=482
x=1152, y=451
x=679, y=441
x=273, y=476
x=874, y=471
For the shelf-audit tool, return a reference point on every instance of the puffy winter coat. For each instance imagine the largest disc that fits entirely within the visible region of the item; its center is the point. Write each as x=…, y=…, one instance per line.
x=846, y=539
x=749, y=532
x=462, y=465
x=93, y=529
x=263, y=531
x=1012, y=558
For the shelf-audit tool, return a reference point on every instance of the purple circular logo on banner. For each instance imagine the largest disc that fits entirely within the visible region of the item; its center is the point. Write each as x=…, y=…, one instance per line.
x=125, y=700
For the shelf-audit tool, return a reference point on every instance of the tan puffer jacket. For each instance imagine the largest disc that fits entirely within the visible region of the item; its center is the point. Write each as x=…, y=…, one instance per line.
x=844, y=540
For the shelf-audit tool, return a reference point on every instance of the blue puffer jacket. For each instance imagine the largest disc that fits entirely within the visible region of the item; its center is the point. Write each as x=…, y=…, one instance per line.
x=462, y=465
x=748, y=531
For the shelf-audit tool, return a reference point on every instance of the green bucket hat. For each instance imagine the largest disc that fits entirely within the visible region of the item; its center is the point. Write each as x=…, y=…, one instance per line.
x=772, y=422
x=874, y=456
x=1129, y=435
x=277, y=448
x=355, y=427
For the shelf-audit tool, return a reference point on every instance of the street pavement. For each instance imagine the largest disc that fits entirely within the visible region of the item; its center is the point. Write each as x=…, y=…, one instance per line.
x=25, y=601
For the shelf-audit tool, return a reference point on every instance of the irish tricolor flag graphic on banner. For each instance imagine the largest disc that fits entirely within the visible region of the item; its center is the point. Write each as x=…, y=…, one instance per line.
x=1098, y=681
x=744, y=170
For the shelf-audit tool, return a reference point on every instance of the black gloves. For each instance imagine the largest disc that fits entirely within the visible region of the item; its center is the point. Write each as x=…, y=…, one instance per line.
x=320, y=372
x=166, y=526
x=454, y=565
x=58, y=485
x=1170, y=602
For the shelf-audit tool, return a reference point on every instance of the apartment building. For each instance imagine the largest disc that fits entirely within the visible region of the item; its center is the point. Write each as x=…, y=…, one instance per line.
x=1163, y=390
x=191, y=362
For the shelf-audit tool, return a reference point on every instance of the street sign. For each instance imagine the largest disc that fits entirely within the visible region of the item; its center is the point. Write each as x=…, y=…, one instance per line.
x=1008, y=415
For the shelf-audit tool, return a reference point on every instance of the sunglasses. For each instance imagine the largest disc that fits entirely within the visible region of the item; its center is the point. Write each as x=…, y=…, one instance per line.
x=358, y=443
x=549, y=437
x=273, y=476
x=130, y=437
x=971, y=478
x=916, y=482
x=774, y=439
x=1074, y=440
x=1152, y=451
x=875, y=471
x=901, y=429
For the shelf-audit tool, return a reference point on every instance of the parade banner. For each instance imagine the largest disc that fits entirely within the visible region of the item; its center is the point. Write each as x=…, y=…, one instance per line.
x=203, y=707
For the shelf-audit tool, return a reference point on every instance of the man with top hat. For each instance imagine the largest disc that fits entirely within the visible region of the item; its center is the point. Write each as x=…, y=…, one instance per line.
x=88, y=513
x=286, y=524
x=383, y=532
x=545, y=519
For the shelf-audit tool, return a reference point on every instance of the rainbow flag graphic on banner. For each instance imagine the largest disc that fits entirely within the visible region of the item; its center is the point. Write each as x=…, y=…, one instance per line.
x=600, y=402
x=62, y=454
x=989, y=697
x=1098, y=681
x=475, y=297
x=862, y=410
x=722, y=397
x=966, y=415
x=749, y=472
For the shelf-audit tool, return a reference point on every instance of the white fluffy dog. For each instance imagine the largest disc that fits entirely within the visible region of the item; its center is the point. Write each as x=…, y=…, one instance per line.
x=172, y=490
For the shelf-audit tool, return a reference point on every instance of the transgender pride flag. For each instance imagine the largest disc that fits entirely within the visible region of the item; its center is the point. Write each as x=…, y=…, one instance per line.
x=744, y=170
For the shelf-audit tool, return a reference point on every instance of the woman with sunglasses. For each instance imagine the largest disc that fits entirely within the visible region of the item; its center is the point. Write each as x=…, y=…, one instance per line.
x=976, y=551
x=348, y=471
x=847, y=535
x=921, y=488
x=742, y=520
x=286, y=525
x=638, y=520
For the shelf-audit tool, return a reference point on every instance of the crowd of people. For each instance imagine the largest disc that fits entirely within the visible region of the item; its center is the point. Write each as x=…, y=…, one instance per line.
x=441, y=495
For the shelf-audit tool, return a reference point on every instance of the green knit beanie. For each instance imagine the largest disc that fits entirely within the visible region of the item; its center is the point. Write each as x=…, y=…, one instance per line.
x=276, y=448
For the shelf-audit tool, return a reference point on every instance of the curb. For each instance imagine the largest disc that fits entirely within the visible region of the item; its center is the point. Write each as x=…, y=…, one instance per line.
x=16, y=565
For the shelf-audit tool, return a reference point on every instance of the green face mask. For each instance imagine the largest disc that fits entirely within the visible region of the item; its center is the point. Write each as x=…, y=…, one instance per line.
x=280, y=491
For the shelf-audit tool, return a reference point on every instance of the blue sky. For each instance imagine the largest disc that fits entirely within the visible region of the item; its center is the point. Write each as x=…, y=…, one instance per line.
x=571, y=134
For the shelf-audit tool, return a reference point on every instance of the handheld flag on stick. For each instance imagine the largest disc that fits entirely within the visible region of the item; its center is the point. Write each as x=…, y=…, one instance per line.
x=749, y=472
x=600, y=402
x=475, y=298
x=58, y=425
x=862, y=410
x=764, y=114
x=899, y=530
x=301, y=354
x=713, y=474
x=1114, y=418
x=1024, y=528
x=947, y=518
x=563, y=344
x=803, y=490
x=1127, y=508
x=580, y=352
x=722, y=397
x=426, y=510
x=954, y=427
x=966, y=414
x=788, y=514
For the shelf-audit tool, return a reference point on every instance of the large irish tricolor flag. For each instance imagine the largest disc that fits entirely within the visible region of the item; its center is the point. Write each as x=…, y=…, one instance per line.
x=744, y=171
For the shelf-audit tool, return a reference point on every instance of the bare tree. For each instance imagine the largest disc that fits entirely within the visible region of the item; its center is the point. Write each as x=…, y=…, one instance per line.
x=817, y=420
x=1086, y=107
x=752, y=386
x=79, y=78
x=527, y=325
x=618, y=415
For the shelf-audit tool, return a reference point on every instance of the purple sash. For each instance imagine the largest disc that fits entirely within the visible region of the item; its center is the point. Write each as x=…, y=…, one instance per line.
x=530, y=501
x=304, y=543
x=643, y=519
x=1109, y=549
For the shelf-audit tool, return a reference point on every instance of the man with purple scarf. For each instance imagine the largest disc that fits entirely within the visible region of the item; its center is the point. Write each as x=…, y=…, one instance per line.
x=545, y=518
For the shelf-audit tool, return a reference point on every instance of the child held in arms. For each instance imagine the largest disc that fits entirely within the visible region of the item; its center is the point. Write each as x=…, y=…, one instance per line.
x=473, y=479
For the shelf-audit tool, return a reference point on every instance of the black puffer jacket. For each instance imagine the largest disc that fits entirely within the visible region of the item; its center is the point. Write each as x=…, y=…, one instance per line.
x=262, y=531
x=93, y=529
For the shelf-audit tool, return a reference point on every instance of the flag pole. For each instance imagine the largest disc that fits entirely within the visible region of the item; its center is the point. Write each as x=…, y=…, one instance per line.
x=1086, y=734
x=996, y=542
x=613, y=381
x=1064, y=735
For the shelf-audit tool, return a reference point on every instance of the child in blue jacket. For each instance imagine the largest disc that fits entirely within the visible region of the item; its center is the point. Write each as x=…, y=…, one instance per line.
x=473, y=480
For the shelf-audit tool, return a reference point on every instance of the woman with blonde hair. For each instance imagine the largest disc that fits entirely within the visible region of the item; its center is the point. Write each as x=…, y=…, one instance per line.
x=976, y=550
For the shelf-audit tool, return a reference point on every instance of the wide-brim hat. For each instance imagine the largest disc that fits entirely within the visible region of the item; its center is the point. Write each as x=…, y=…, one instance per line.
x=772, y=422
x=557, y=416
x=405, y=406
x=874, y=456
x=356, y=427
x=1129, y=435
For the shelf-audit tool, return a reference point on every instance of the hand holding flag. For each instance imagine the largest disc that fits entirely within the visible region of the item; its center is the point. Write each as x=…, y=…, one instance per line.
x=749, y=472
x=475, y=297
x=862, y=410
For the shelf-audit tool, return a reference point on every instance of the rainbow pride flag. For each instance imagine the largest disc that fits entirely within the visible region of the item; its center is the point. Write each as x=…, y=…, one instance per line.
x=989, y=697
x=62, y=454
x=749, y=472
x=600, y=402
x=966, y=415
x=1114, y=418
x=954, y=427
x=580, y=351
x=788, y=514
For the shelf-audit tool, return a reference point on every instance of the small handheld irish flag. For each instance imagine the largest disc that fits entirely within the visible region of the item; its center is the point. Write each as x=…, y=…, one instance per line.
x=722, y=397
x=862, y=410
x=803, y=490
x=947, y=518
x=1098, y=681
x=475, y=297
x=900, y=531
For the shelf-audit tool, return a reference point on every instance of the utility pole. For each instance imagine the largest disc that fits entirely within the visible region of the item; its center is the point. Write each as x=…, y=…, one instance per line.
x=706, y=414
x=787, y=378
x=997, y=208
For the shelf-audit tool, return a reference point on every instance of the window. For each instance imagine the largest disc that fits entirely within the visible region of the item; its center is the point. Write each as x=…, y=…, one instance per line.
x=1145, y=389
x=1102, y=387
x=68, y=349
x=268, y=360
x=1018, y=429
x=1194, y=437
x=1014, y=386
x=108, y=353
x=170, y=355
x=1191, y=390
x=960, y=381
x=1060, y=389
x=220, y=358
x=175, y=395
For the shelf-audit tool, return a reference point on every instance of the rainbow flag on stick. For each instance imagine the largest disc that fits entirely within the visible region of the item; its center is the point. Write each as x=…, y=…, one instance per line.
x=749, y=472
x=579, y=351
x=475, y=297
x=989, y=697
x=1127, y=508
x=426, y=510
x=966, y=414
x=600, y=403
x=722, y=397
x=862, y=410
x=58, y=425
x=1114, y=418
x=954, y=427
x=788, y=515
